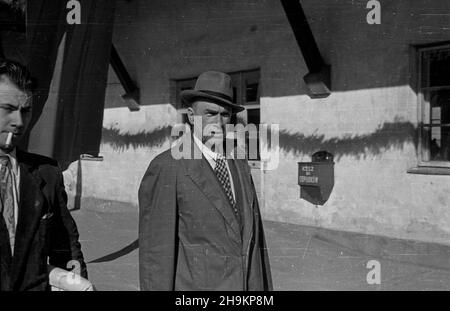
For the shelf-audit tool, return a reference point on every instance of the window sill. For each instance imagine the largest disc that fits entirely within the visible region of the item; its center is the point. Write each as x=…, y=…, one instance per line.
x=429, y=170
x=88, y=157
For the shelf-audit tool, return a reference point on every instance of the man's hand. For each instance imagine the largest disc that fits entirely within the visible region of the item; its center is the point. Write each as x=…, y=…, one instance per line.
x=63, y=280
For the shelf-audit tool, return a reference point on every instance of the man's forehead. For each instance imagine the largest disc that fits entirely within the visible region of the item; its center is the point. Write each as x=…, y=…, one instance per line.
x=210, y=105
x=10, y=93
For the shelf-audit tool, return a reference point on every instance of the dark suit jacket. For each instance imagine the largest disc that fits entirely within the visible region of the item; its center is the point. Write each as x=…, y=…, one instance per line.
x=46, y=232
x=189, y=237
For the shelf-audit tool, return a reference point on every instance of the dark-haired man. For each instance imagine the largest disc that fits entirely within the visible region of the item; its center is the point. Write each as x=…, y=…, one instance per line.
x=36, y=228
x=200, y=225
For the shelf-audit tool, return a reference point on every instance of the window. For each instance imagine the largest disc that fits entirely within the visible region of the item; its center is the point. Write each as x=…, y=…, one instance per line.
x=434, y=96
x=246, y=90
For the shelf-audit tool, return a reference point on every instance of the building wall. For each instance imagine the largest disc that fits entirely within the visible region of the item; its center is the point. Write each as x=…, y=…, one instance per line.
x=369, y=122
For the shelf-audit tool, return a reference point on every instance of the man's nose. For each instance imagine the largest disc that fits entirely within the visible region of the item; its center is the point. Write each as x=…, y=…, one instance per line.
x=17, y=119
x=220, y=120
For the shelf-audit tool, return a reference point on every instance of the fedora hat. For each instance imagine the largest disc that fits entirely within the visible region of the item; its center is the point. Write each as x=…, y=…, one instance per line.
x=212, y=85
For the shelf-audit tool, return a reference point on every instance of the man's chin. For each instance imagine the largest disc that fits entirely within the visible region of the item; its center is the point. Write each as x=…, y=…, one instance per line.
x=7, y=149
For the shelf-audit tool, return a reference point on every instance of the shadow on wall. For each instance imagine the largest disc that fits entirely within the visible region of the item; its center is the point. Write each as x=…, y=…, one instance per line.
x=390, y=134
x=121, y=142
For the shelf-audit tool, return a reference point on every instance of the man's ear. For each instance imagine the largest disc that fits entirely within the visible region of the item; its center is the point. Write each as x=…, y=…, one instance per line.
x=190, y=115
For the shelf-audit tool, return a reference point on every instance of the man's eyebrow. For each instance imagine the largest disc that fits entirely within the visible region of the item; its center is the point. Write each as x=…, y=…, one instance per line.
x=217, y=111
x=211, y=110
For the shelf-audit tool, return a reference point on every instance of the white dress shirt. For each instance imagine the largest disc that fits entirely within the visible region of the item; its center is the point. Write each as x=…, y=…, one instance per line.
x=211, y=157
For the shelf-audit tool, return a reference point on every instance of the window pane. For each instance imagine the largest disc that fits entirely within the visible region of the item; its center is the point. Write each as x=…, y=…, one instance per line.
x=436, y=68
x=236, y=85
x=425, y=143
x=251, y=92
x=439, y=128
x=251, y=85
x=253, y=117
x=426, y=107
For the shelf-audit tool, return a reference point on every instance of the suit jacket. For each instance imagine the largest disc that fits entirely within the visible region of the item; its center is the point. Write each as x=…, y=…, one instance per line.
x=46, y=232
x=189, y=236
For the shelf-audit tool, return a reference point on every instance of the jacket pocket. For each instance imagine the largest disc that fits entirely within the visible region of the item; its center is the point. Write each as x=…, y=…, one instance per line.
x=215, y=267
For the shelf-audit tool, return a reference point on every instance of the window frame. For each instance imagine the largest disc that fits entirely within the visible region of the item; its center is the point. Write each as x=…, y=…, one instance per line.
x=423, y=141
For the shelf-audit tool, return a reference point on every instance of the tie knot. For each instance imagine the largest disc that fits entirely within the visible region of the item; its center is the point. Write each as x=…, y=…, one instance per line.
x=4, y=160
x=220, y=158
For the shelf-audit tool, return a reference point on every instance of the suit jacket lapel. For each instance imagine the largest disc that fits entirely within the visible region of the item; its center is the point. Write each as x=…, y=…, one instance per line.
x=203, y=176
x=30, y=208
x=5, y=255
x=248, y=197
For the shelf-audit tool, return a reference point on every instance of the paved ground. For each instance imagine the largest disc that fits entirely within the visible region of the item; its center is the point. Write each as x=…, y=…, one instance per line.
x=302, y=258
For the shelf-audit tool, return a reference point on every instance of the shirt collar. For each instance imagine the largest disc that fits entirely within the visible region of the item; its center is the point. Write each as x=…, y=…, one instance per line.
x=208, y=153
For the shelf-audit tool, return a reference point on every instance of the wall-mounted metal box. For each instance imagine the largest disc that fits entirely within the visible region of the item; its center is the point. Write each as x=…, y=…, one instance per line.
x=316, y=178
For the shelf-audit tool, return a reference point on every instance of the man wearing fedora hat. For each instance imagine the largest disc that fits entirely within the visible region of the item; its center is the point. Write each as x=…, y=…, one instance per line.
x=199, y=221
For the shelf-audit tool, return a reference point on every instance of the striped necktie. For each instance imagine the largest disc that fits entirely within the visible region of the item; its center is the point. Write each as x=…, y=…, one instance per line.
x=224, y=178
x=7, y=198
